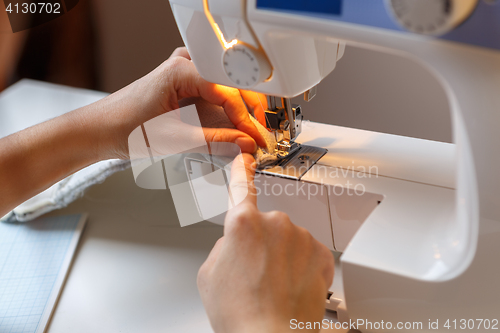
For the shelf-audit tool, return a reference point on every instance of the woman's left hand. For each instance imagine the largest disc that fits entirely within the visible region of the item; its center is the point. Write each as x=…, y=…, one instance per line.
x=159, y=92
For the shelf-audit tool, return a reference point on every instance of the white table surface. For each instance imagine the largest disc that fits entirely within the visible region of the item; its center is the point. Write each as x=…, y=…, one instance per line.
x=135, y=268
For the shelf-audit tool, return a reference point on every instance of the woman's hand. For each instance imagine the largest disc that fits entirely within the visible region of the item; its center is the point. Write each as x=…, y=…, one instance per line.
x=159, y=92
x=34, y=159
x=265, y=271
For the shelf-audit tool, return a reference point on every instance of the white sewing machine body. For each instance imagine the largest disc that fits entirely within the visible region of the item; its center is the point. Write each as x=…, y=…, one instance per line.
x=421, y=242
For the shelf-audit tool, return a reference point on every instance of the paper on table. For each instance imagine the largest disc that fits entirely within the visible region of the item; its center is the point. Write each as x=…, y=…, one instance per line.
x=34, y=260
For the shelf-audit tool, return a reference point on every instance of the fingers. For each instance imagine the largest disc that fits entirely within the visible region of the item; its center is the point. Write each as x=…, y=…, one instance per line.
x=244, y=141
x=181, y=52
x=230, y=100
x=188, y=83
x=257, y=102
x=242, y=185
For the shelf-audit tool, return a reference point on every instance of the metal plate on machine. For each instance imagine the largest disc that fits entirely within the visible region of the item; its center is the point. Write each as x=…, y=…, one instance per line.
x=296, y=166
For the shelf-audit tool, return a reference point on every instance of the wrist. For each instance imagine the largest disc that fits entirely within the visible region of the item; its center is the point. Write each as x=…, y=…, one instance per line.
x=117, y=115
x=106, y=128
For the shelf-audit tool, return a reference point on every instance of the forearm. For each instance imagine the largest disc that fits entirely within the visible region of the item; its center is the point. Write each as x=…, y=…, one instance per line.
x=35, y=158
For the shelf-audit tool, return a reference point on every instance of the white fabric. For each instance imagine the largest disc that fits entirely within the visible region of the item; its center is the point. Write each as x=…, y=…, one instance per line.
x=214, y=117
x=265, y=156
x=66, y=191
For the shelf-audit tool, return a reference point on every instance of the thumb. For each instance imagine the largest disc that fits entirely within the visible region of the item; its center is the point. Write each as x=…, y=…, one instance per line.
x=181, y=52
x=241, y=186
x=243, y=140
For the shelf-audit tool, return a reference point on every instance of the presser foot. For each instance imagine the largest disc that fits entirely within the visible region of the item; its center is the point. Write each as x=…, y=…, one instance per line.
x=286, y=148
x=296, y=163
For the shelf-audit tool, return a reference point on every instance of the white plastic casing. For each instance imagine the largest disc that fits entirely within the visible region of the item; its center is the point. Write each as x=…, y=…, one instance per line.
x=405, y=269
x=298, y=60
x=400, y=265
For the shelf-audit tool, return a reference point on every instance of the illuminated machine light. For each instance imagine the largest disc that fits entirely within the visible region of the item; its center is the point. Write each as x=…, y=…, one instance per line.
x=216, y=28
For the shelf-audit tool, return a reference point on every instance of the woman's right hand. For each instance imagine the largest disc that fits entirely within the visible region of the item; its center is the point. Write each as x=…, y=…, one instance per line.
x=265, y=271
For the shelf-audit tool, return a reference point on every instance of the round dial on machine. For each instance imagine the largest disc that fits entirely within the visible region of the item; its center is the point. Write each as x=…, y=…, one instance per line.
x=431, y=17
x=245, y=66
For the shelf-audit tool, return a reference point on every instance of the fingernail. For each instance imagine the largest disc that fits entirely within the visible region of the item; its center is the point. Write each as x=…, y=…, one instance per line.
x=247, y=145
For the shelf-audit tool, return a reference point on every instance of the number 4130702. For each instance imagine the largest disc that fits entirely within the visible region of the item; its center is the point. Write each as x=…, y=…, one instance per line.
x=471, y=324
x=34, y=8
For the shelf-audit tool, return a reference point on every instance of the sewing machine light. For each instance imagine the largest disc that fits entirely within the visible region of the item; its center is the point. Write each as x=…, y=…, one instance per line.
x=218, y=32
x=243, y=64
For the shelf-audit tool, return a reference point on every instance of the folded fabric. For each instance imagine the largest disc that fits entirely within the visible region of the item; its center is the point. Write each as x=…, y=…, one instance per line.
x=215, y=117
x=65, y=191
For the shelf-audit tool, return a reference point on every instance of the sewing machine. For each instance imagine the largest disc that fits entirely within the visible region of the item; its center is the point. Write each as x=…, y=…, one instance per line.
x=417, y=222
